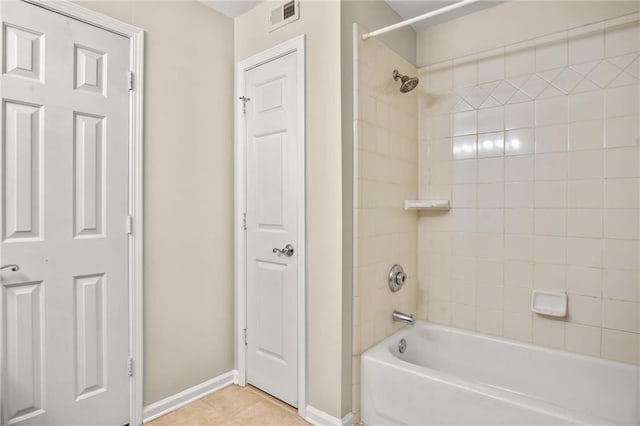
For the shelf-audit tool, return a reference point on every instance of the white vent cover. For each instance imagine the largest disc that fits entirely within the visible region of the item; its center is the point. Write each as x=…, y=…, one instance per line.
x=284, y=14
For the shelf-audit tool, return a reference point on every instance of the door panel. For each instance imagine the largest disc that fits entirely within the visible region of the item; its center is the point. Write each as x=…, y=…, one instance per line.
x=272, y=200
x=65, y=153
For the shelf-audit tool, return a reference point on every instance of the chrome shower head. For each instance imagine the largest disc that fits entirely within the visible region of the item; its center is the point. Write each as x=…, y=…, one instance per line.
x=408, y=83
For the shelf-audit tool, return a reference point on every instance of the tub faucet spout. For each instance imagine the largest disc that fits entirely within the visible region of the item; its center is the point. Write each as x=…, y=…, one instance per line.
x=402, y=317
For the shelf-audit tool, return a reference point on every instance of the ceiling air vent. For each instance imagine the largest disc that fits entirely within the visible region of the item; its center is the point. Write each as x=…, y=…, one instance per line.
x=284, y=14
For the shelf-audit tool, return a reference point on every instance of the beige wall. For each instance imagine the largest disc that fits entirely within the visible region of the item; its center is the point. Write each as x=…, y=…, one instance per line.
x=510, y=23
x=188, y=201
x=387, y=157
x=554, y=205
x=327, y=338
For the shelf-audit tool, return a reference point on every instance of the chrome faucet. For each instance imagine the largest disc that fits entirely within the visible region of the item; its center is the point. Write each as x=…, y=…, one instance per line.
x=402, y=317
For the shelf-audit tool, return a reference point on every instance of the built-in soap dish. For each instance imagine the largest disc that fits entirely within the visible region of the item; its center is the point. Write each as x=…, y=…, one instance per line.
x=551, y=303
x=441, y=205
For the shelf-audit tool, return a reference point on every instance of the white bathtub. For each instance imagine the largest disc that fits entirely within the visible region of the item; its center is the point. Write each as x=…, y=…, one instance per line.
x=449, y=376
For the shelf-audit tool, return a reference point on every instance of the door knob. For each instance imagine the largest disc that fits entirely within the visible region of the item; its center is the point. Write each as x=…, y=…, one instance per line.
x=287, y=250
x=14, y=268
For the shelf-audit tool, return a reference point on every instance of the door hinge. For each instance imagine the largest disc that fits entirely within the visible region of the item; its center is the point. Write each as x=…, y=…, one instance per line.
x=245, y=337
x=129, y=225
x=130, y=366
x=244, y=221
x=244, y=100
x=130, y=80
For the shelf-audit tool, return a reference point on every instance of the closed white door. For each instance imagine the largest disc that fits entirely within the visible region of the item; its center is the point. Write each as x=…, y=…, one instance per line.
x=64, y=183
x=272, y=227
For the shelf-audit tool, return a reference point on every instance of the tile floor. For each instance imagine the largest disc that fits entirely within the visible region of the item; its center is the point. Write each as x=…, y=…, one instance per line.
x=233, y=406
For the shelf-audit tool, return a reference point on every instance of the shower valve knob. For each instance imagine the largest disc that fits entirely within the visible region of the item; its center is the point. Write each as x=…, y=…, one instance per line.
x=397, y=278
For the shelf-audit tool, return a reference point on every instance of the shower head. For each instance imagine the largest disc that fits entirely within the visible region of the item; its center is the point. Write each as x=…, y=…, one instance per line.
x=408, y=83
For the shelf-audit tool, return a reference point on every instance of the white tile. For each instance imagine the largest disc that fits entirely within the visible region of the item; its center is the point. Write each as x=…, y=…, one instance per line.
x=517, y=325
x=490, y=120
x=490, y=246
x=518, y=273
x=490, y=195
x=585, y=281
x=490, y=170
x=551, y=111
x=582, y=339
x=518, y=247
x=550, y=195
x=465, y=73
x=622, y=162
x=519, y=168
x=551, y=166
x=503, y=92
x=489, y=321
x=518, y=142
x=491, y=144
x=520, y=115
x=584, y=252
x=620, y=346
x=622, y=193
x=520, y=59
x=585, y=194
x=567, y=80
x=463, y=316
x=548, y=332
x=620, y=254
x=622, y=131
x=464, y=196
x=552, y=138
x=622, y=101
x=490, y=220
x=518, y=195
x=440, y=78
x=622, y=285
x=620, y=315
x=586, y=44
x=586, y=106
x=490, y=272
x=517, y=299
x=464, y=123
x=551, y=52
x=622, y=38
x=491, y=68
x=465, y=171
x=551, y=222
x=603, y=74
x=584, y=223
x=464, y=147
x=586, y=135
x=550, y=276
x=585, y=164
x=621, y=224
x=584, y=310
x=548, y=249
x=463, y=220
x=518, y=221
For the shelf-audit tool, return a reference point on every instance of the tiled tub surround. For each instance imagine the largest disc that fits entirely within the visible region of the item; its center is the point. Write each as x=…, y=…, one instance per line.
x=537, y=146
x=386, y=176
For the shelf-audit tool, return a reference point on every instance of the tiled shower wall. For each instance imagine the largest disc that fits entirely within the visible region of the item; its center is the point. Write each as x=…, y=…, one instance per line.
x=387, y=167
x=537, y=146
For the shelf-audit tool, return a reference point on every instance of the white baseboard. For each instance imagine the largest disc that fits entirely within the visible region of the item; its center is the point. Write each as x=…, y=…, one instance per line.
x=180, y=399
x=320, y=418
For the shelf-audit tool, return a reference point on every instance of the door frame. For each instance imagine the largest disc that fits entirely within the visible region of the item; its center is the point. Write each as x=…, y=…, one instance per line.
x=297, y=45
x=135, y=172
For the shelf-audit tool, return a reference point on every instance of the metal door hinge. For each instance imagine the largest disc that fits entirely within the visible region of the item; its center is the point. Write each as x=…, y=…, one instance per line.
x=244, y=221
x=129, y=225
x=244, y=100
x=130, y=367
x=245, y=337
x=130, y=80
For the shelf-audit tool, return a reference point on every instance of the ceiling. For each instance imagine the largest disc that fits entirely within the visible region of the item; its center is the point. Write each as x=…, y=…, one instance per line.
x=405, y=8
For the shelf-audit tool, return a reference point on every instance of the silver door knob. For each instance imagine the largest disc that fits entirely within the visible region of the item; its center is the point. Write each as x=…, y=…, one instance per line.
x=14, y=268
x=287, y=251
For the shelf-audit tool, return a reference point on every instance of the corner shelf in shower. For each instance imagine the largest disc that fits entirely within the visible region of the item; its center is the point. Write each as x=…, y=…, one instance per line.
x=441, y=205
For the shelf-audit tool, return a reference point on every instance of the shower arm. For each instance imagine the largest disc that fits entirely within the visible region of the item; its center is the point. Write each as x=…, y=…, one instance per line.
x=418, y=18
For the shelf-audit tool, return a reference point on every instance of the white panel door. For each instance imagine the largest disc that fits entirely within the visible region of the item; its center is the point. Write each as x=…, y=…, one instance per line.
x=64, y=183
x=272, y=223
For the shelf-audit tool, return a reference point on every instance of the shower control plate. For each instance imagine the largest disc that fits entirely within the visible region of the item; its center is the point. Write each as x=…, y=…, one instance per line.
x=397, y=277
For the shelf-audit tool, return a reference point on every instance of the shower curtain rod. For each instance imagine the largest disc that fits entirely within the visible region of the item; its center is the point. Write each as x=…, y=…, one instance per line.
x=417, y=18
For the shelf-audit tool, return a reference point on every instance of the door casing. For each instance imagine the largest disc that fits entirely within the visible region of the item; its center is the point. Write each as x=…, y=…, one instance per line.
x=296, y=44
x=136, y=100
